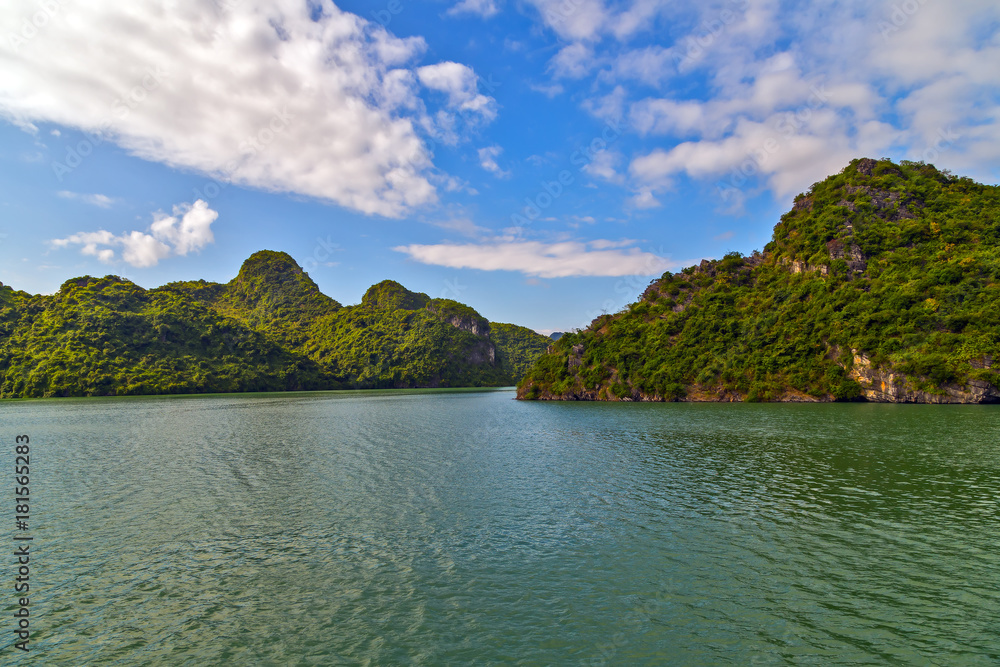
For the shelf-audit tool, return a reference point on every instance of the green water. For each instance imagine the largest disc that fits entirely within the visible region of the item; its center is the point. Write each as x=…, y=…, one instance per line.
x=433, y=528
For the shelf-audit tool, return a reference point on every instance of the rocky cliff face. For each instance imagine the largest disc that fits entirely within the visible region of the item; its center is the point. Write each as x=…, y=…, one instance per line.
x=483, y=353
x=878, y=385
x=882, y=385
x=469, y=323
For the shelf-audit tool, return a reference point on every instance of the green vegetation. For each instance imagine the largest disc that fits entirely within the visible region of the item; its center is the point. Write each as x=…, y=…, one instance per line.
x=517, y=347
x=882, y=282
x=269, y=329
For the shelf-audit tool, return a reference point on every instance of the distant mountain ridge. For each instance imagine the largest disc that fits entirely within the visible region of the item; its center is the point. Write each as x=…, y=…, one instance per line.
x=882, y=283
x=269, y=329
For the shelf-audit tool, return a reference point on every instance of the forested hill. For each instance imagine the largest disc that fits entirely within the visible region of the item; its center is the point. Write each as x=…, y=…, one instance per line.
x=882, y=283
x=269, y=329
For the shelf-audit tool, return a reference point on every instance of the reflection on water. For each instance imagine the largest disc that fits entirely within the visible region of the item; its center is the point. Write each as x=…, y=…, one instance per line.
x=451, y=527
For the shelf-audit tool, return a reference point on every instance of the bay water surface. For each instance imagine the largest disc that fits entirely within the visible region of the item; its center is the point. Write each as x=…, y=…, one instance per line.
x=457, y=527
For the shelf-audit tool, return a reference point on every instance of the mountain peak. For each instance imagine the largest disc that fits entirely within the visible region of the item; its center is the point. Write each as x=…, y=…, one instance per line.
x=271, y=285
x=879, y=283
x=390, y=295
x=270, y=262
x=870, y=207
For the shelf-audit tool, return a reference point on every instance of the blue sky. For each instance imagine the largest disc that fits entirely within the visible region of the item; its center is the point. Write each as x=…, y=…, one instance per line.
x=540, y=160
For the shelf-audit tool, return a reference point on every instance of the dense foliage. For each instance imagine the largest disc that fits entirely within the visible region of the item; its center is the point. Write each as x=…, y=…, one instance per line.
x=890, y=266
x=269, y=329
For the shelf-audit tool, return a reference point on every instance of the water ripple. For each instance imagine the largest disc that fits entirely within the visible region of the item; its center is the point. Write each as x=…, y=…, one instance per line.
x=419, y=527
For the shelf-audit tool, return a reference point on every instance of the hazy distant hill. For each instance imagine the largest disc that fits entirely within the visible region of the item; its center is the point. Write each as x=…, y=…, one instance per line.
x=270, y=328
x=882, y=283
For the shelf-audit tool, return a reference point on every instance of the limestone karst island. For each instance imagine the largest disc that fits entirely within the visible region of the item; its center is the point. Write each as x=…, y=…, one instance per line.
x=880, y=284
x=269, y=329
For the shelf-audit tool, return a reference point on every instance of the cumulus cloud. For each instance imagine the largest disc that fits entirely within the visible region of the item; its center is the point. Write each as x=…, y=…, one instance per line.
x=574, y=61
x=280, y=95
x=543, y=260
x=884, y=81
x=189, y=229
x=488, y=160
x=102, y=201
x=460, y=84
x=762, y=98
x=650, y=65
x=483, y=8
x=573, y=19
x=604, y=166
x=643, y=199
x=589, y=20
x=549, y=90
x=462, y=225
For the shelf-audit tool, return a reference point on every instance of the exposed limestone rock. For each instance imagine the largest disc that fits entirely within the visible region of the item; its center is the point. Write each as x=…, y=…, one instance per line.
x=890, y=205
x=802, y=203
x=483, y=353
x=476, y=325
x=866, y=166
x=881, y=385
x=856, y=259
x=798, y=266
x=982, y=363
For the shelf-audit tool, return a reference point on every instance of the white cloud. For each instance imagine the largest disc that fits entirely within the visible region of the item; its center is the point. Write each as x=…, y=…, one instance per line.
x=487, y=159
x=786, y=163
x=650, y=65
x=102, y=201
x=665, y=116
x=573, y=19
x=574, y=61
x=549, y=90
x=604, y=166
x=254, y=92
x=189, y=229
x=644, y=199
x=608, y=107
x=544, y=260
x=639, y=15
x=460, y=83
x=855, y=79
x=484, y=8
x=589, y=20
x=461, y=225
